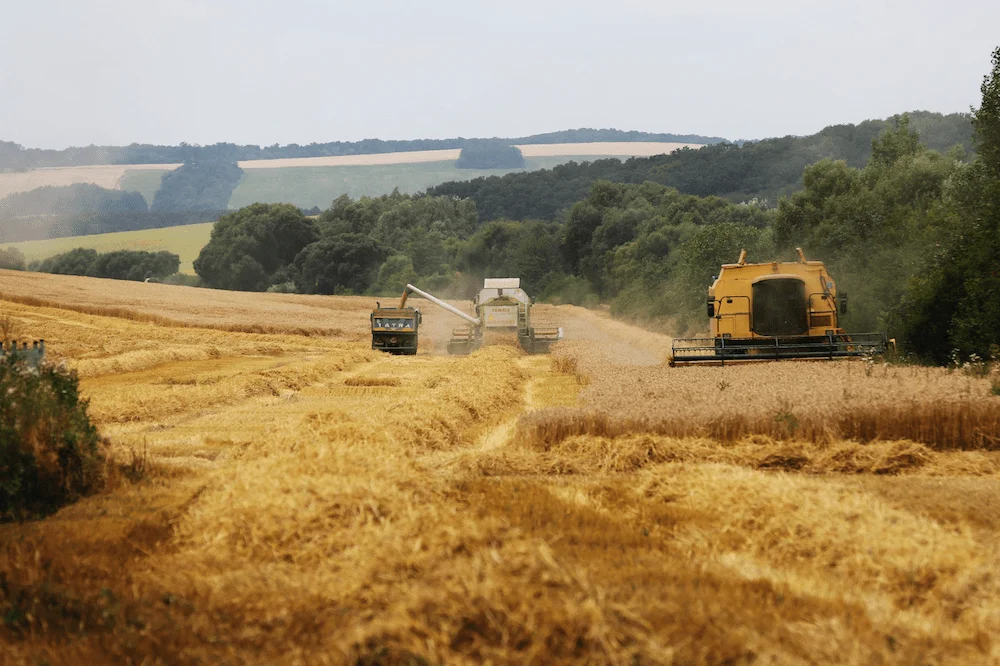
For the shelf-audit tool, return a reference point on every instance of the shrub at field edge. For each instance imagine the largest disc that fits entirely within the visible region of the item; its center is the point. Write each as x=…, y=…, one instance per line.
x=50, y=452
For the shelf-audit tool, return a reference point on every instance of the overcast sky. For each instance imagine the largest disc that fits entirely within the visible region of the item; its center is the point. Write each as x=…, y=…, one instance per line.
x=74, y=72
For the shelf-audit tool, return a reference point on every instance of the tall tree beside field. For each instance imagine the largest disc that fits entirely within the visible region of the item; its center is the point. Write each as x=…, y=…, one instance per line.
x=249, y=247
x=871, y=226
x=953, y=302
x=348, y=263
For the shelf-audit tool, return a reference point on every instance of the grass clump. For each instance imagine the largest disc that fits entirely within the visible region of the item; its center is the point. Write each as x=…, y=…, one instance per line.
x=50, y=452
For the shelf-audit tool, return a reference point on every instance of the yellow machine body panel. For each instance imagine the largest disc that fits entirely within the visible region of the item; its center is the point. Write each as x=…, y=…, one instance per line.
x=775, y=299
x=772, y=311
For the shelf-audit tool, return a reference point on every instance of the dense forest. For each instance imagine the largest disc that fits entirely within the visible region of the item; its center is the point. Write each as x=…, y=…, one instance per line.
x=909, y=224
x=764, y=169
x=15, y=156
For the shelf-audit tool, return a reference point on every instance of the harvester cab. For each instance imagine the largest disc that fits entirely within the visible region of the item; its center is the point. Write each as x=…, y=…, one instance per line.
x=505, y=309
x=395, y=330
x=31, y=357
x=776, y=310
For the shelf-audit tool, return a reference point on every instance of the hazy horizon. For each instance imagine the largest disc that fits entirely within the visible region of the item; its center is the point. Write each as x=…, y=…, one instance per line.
x=171, y=71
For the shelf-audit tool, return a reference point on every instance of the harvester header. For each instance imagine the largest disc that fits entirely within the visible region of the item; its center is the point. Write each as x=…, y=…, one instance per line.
x=775, y=310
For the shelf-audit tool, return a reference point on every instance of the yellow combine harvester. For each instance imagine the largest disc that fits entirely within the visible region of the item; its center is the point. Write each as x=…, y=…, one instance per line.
x=776, y=310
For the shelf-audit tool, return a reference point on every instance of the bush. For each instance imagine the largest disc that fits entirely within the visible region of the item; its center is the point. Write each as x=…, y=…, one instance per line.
x=250, y=247
x=345, y=264
x=490, y=155
x=136, y=265
x=12, y=259
x=50, y=453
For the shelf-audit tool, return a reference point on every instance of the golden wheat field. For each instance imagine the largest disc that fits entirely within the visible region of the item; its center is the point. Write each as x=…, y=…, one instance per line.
x=280, y=494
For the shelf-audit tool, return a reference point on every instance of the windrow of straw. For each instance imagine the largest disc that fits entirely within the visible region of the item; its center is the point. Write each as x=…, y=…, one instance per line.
x=593, y=455
x=942, y=426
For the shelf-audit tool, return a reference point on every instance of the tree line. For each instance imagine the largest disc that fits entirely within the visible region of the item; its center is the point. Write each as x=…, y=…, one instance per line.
x=765, y=169
x=135, y=265
x=15, y=156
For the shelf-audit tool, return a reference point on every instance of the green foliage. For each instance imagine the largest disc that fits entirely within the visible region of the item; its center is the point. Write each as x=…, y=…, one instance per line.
x=12, y=259
x=50, y=452
x=527, y=250
x=762, y=169
x=250, y=246
x=343, y=264
x=952, y=302
x=561, y=289
x=75, y=262
x=872, y=225
x=395, y=274
x=652, y=251
x=197, y=186
x=133, y=265
x=487, y=154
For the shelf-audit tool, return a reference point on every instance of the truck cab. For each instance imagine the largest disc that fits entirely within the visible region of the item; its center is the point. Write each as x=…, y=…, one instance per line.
x=395, y=330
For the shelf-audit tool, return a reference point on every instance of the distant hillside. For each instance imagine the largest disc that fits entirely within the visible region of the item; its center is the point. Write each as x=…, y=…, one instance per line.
x=15, y=156
x=766, y=169
x=78, y=198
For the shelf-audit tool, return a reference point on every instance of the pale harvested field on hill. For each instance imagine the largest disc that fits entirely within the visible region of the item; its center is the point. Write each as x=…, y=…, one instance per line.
x=110, y=176
x=609, y=149
x=306, y=500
